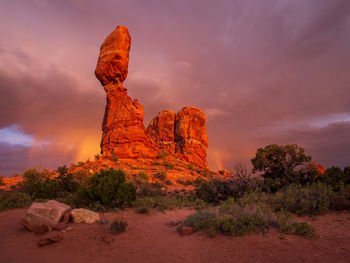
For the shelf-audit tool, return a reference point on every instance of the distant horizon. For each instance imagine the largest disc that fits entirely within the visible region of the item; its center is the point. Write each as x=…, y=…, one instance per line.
x=264, y=72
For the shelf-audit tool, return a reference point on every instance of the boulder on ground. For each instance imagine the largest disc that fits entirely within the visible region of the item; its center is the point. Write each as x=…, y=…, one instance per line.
x=40, y=217
x=50, y=237
x=82, y=215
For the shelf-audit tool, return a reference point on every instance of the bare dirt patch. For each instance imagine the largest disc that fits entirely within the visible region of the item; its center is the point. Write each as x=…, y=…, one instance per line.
x=149, y=239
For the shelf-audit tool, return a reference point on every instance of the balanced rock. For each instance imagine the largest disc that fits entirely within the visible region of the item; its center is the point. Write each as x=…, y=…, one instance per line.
x=41, y=217
x=82, y=215
x=113, y=61
x=191, y=136
x=124, y=134
x=161, y=130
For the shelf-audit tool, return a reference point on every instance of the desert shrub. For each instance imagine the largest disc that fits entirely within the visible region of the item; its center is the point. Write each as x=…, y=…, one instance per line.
x=113, y=158
x=341, y=199
x=206, y=173
x=2, y=181
x=305, y=230
x=143, y=176
x=346, y=175
x=162, y=155
x=191, y=167
x=160, y=175
x=13, y=199
x=150, y=189
x=144, y=202
x=97, y=157
x=308, y=200
x=333, y=176
x=66, y=180
x=168, y=165
x=217, y=190
x=110, y=188
x=168, y=182
x=202, y=221
x=117, y=227
x=82, y=177
x=143, y=210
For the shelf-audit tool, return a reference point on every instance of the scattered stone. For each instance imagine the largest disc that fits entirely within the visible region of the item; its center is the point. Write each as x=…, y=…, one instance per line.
x=50, y=237
x=41, y=217
x=186, y=231
x=82, y=215
x=106, y=238
x=60, y=226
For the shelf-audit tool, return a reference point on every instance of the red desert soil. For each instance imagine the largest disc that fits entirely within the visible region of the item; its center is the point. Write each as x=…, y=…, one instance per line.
x=150, y=239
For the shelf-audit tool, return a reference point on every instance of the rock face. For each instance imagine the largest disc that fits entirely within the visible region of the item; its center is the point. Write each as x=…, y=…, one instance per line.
x=191, y=136
x=183, y=134
x=161, y=130
x=124, y=133
x=42, y=216
x=82, y=215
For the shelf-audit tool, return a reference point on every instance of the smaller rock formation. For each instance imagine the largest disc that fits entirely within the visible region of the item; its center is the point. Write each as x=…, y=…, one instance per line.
x=82, y=215
x=191, y=136
x=41, y=217
x=184, y=134
x=161, y=130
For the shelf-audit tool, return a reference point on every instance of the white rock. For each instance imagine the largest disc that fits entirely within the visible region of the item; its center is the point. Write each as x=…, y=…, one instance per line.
x=82, y=215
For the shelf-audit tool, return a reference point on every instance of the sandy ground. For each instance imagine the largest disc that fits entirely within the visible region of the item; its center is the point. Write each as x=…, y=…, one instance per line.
x=149, y=239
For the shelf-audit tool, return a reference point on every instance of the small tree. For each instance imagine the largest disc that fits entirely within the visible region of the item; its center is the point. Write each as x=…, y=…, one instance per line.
x=281, y=165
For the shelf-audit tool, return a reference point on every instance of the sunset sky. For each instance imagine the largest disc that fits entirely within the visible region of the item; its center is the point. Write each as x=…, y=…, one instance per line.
x=264, y=71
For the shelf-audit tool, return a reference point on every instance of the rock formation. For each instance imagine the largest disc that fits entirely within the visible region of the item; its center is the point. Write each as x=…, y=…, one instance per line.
x=162, y=131
x=191, y=136
x=124, y=134
x=183, y=134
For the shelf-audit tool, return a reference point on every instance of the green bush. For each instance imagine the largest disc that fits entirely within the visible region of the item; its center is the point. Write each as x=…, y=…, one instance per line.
x=110, y=189
x=304, y=230
x=308, y=200
x=143, y=210
x=216, y=190
x=151, y=190
x=117, y=227
x=13, y=199
x=334, y=175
